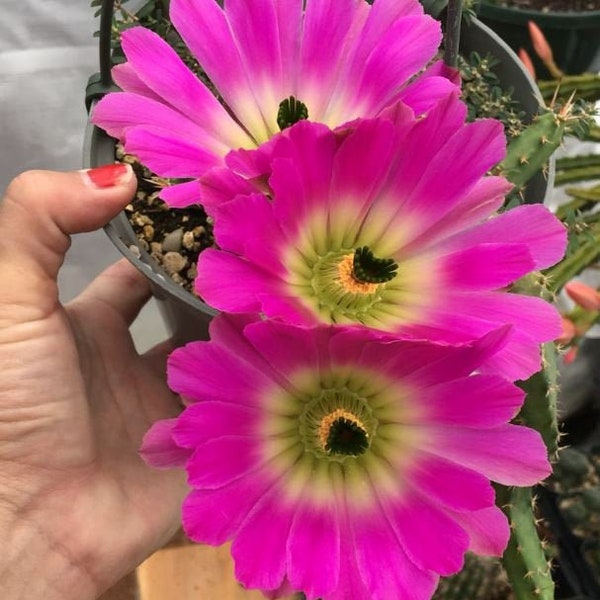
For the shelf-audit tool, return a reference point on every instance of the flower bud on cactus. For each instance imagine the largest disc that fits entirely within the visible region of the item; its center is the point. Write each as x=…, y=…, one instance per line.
x=583, y=295
x=543, y=50
x=527, y=62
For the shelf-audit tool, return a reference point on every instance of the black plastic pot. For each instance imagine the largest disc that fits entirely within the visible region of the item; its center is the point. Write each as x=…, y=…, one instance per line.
x=573, y=36
x=187, y=317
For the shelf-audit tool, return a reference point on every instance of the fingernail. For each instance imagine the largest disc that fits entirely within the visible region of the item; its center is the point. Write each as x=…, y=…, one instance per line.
x=108, y=175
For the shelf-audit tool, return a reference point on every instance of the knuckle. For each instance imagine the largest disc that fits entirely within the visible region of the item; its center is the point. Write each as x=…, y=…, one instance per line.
x=24, y=185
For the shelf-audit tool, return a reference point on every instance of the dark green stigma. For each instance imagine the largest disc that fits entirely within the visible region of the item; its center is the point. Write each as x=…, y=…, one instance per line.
x=346, y=437
x=291, y=111
x=367, y=268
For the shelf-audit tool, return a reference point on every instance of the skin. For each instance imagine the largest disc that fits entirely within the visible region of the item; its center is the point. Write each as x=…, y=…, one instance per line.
x=78, y=507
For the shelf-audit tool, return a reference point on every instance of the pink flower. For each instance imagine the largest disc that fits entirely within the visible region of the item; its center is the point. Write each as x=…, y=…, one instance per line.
x=272, y=62
x=341, y=463
x=392, y=226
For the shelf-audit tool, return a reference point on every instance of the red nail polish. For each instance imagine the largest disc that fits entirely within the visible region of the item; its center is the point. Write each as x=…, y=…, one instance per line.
x=109, y=175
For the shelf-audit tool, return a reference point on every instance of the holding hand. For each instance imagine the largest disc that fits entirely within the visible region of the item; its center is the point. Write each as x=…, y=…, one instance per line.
x=78, y=507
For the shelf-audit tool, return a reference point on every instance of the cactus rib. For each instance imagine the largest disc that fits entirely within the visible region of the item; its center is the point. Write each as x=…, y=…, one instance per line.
x=539, y=409
x=532, y=148
x=524, y=559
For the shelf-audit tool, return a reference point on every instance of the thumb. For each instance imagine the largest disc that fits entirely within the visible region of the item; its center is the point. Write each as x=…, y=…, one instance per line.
x=39, y=212
x=42, y=208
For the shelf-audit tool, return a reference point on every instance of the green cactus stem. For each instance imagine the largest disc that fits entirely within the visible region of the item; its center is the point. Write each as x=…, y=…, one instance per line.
x=566, y=163
x=585, y=86
x=579, y=258
x=524, y=559
x=530, y=151
x=539, y=409
x=582, y=173
x=570, y=169
x=582, y=200
x=593, y=134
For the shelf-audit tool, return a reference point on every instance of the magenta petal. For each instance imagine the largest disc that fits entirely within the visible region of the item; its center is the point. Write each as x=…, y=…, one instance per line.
x=313, y=550
x=475, y=401
x=462, y=490
x=406, y=46
x=320, y=63
x=204, y=27
x=232, y=284
x=220, y=461
x=126, y=78
x=242, y=226
x=482, y=201
x=228, y=331
x=207, y=371
x=425, y=138
x=422, y=94
x=510, y=454
x=283, y=591
x=487, y=266
x=544, y=234
x=254, y=25
x=220, y=185
x=488, y=530
x=423, y=362
x=214, y=516
x=253, y=164
x=472, y=150
x=535, y=317
x=161, y=69
x=360, y=168
x=169, y=155
x=181, y=195
x=420, y=527
x=385, y=568
x=351, y=583
x=117, y=112
x=306, y=348
x=466, y=316
x=159, y=448
x=259, y=549
x=203, y=421
x=309, y=149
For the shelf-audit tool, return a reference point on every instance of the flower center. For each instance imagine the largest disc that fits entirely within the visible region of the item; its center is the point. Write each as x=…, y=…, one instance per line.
x=291, y=111
x=341, y=432
x=367, y=268
x=337, y=424
x=348, y=279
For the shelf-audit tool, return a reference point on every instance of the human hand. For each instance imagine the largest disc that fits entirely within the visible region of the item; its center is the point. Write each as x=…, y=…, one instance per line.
x=78, y=506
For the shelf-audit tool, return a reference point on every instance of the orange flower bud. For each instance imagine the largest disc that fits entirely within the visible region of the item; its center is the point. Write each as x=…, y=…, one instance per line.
x=570, y=355
x=568, y=331
x=527, y=62
x=543, y=50
x=584, y=295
